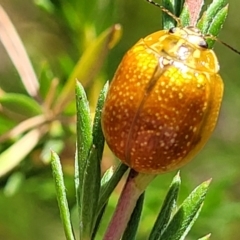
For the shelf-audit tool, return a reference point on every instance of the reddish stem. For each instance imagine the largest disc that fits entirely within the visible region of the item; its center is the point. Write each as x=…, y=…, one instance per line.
x=134, y=187
x=194, y=7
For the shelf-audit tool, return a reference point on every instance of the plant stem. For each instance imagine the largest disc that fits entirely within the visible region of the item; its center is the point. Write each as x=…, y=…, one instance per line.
x=134, y=187
x=194, y=7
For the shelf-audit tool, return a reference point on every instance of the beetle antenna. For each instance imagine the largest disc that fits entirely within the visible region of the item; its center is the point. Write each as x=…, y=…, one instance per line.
x=223, y=43
x=179, y=24
x=166, y=11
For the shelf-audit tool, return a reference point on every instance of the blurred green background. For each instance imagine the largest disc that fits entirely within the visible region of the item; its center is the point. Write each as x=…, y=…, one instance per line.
x=56, y=38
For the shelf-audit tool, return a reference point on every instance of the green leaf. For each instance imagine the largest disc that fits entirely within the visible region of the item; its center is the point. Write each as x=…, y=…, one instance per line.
x=46, y=5
x=61, y=196
x=213, y=19
x=88, y=162
x=185, y=17
x=106, y=177
x=217, y=24
x=167, y=208
x=98, y=220
x=14, y=183
x=90, y=195
x=208, y=16
x=6, y=124
x=69, y=14
x=56, y=144
x=12, y=156
x=175, y=8
x=89, y=64
x=98, y=138
x=131, y=230
x=46, y=77
x=104, y=181
x=20, y=104
x=84, y=138
x=109, y=185
x=178, y=7
x=187, y=214
x=207, y=237
x=168, y=21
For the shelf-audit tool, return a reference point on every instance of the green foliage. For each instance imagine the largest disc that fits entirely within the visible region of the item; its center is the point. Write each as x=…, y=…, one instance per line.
x=88, y=182
x=168, y=207
x=47, y=102
x=37, y=113
x=61, y=196
x=213, y=19
x=20, y=104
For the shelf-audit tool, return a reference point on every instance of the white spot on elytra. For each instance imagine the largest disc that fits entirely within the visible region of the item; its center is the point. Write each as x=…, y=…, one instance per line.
x=167, y=134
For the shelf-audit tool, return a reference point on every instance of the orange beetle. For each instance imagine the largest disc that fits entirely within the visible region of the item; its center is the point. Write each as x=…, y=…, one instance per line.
x=164, y=101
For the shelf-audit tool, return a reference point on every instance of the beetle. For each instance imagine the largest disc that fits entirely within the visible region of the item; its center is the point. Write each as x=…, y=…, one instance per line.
x=164, y=100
